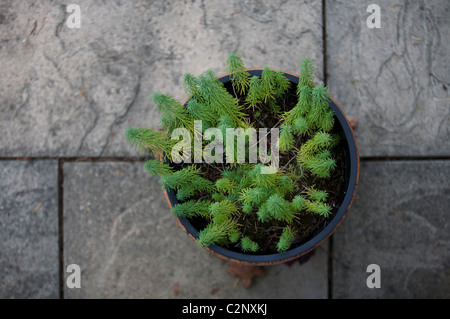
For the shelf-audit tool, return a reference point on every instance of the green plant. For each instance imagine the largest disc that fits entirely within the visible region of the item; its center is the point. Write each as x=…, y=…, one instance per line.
x=286, y=239
x=238, y=204
x=249, y=245
x=239, y=76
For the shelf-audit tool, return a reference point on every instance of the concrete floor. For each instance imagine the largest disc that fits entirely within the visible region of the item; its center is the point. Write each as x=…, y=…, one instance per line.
x=73, y=192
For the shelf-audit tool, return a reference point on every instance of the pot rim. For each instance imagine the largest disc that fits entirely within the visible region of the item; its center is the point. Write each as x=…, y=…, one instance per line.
x=319, y=238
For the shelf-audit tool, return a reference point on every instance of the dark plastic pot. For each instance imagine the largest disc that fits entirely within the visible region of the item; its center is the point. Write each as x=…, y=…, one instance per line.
x=351, y=175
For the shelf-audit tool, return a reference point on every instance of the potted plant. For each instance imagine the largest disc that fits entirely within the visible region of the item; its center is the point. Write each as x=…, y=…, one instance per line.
x=259, y=166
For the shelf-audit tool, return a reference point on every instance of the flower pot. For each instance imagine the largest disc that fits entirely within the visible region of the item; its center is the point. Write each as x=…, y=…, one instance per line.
x=345, y=198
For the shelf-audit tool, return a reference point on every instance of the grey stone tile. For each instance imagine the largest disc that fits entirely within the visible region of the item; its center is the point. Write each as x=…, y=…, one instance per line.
x=29, y=254
x=119, y=230
x=394, y=79
x=399, y=221
x=72, y=92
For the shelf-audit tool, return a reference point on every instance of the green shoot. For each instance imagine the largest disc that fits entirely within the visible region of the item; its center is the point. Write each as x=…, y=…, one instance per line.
x=145, y=139
x=268, y=84
x=173, y=113
x=181, y=177
x=225, y=208
x=286, y=239
x=282, y=84
x=298, y=203
x=249, y=245
x=286, y=141
x=200, y=111
x=157, y=168
x=279, y=208
x=318, y=208
x=238, y=75
x=254, y=96
x=254, y=196
x=262, y=180
x=316, y=195
x=217, y=232
x=286, y=186
x=234, y=235
x=300, y=125
x=191, y=208
x=191, y=87
x=218, y=98
x=306, y=73
x=263, y=213
x=224, y=185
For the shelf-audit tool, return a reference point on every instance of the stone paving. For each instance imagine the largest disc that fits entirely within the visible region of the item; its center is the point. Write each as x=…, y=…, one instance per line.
x=73, y=192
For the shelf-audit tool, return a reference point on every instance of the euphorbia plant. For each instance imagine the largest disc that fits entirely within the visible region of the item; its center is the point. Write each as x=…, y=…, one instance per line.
x=233, y=200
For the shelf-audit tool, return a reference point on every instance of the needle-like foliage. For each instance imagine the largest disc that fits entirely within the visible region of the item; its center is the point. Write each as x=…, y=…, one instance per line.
x=300, y=125
x=286, y=186
x=315, y=156
x=255, y=196
x=318, y=142
x=268, y=84
x=263, y=213
x=218, y=98
x=191, y=87
x=242, y=203
x=158, y=168
x=225, y=185
x=217, y=232
x=320, y=116
x=322, y=167
x=249, y=245
x=200, y=111
x=318, y=208
x=145, y=139
x=286, y=239
x=298, y=203
x=182, y=177
x=303, y=106
x=234, y=235
x=173, y=114
x=306, y=73
x=316, y=195
x=247, y=208
x=286, y=141
x=224, y=208
x=255, y=95
x=279, y=208
x=239, y=76
x=282, y=84
x=192, y=208
x=225, y=122
x=198, y=184
x=312, y=103
x=262, y=180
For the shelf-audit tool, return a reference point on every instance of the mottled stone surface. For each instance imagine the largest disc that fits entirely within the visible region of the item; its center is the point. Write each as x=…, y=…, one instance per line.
x=399, y=221
x=395, y=79
x=72, y=92
x=119, y=230
x=29, y=230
